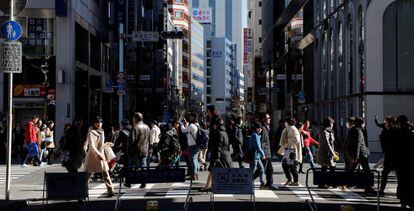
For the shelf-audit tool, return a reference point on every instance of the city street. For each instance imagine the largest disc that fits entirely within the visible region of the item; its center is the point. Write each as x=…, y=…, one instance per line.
x=27, y=185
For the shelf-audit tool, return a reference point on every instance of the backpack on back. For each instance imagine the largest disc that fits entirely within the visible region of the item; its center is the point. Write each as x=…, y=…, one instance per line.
x=202, y=138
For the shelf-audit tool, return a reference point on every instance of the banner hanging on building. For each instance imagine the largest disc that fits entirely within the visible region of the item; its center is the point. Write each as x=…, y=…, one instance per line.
x=202, y=15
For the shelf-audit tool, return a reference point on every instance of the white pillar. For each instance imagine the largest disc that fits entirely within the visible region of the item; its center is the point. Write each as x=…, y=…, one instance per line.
x=65, y=60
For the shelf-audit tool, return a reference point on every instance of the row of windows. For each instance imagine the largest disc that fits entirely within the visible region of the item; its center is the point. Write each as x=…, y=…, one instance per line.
x=198, y=78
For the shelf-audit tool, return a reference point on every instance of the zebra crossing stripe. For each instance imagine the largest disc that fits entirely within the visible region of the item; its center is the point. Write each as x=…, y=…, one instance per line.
x=97, y=190
x=135, y=192
x=265, y=194
x=179, y=190
x=348, y=195
x=303, y=193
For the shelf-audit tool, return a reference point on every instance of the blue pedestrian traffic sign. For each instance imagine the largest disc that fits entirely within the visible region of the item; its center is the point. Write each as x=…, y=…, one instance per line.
x=301, y=97
x=11, y=30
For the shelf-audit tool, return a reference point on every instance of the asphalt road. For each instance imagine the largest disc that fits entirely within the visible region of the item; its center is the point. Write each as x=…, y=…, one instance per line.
x=27, y=186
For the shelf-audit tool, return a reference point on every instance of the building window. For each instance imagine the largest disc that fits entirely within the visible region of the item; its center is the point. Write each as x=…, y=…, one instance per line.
x=398, y=46
x=209, y=90
x=260, y=40
x=260, y=21
x=208, y=62
x=178, y=14
x=208, y=43
x=179, y=1
x=260, y=3
x=208, y=71
x=208, y=81
x=208, y=99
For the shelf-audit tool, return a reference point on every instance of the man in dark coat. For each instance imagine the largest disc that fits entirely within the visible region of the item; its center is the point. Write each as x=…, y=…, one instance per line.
x=405, y=138
x=265, y=139
x=123, y=141
x=357, y=149
x=139, y=150
x=389, y=148
x=236, y=140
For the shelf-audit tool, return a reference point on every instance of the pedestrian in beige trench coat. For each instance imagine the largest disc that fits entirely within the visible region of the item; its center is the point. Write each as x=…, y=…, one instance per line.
x=95, y=157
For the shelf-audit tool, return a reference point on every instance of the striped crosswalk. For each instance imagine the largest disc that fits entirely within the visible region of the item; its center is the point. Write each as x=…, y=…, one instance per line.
x=17, y=172
x=180, y=190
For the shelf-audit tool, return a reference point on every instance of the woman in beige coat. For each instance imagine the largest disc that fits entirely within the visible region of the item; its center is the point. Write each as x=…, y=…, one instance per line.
x=291, y=150
x=95, y=157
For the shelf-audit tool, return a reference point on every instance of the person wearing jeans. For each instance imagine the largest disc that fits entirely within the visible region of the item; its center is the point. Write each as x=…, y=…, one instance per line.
x=255, y=145
x=191, y=130
x=307, y=142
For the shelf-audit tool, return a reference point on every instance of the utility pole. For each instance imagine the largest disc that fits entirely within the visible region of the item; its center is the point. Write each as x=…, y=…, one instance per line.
x=10, y=122
x=121, y=70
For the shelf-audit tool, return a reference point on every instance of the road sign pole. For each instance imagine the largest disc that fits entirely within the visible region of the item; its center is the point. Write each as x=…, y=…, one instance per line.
x=10, y=122
x=121, y=70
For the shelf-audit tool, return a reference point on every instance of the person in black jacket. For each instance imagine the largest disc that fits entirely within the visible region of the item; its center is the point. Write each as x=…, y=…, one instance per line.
x=219, y=148
x=236, y=140
x=389, y=148
x=357, y=149
x=405, y=143
x=265, y=139
x=73, y=142
x=123, y=140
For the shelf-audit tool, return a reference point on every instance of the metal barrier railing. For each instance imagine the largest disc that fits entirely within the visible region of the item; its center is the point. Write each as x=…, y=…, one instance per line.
x=341, y=177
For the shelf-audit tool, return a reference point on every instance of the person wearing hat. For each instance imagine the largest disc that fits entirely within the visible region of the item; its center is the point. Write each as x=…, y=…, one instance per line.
x=95, y=157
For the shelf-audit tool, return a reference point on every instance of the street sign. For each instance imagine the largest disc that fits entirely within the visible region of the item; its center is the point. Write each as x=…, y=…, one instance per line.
x=232, y=181
x=145, y=36
x=11, y=30
x=19, y=6
x=283, y=77
x=301, y=97
x=11, y=57
x=109, y=86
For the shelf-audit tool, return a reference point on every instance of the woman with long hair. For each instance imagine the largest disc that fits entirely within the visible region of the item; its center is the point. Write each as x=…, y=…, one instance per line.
x=95, y=156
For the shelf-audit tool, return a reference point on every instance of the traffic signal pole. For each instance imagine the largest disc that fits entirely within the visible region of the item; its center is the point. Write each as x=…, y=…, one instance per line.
x=121, y=70
x=10, y=123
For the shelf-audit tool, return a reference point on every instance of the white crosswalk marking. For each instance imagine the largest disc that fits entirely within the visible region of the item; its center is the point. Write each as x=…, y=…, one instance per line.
x=97, y=190
x=265, y=194
x=303, y=193
x=223, y=195
x=348, y=195
x=179, y=190
x=17, y=172
x=135, y=192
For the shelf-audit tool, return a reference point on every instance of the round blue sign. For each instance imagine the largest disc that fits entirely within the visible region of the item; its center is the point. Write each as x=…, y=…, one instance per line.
x=11, y=30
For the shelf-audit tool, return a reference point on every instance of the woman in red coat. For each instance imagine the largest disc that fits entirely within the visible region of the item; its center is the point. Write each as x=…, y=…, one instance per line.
x=308, y=141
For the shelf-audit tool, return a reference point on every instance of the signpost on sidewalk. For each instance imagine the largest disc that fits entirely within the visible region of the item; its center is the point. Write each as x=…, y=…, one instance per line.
x=11, y=62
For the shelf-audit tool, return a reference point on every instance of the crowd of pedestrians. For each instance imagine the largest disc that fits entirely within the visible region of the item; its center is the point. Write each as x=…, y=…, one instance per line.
x=33, y=143
x=203, y=145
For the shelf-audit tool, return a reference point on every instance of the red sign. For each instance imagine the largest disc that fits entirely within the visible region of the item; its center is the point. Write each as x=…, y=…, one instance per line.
x=29, y=90
x=245, y=56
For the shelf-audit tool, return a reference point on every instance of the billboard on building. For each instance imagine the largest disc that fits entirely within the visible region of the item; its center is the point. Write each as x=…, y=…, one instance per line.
x=202, y=15
x=248, y=48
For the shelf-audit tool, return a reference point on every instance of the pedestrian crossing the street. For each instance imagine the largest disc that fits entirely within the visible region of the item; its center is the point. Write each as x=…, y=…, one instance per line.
x=18, y=172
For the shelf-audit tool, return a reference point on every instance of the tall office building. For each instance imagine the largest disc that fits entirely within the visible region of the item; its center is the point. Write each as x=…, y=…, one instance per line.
x=181, y=19
x=222, y=63
x=197, y=66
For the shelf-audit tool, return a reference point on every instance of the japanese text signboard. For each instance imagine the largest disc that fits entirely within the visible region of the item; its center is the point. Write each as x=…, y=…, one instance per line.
x=232, y=181
x=11, y=57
